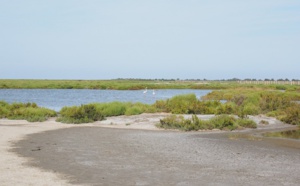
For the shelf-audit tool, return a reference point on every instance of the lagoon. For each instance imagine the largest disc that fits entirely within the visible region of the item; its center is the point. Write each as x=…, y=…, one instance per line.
x=57, y=98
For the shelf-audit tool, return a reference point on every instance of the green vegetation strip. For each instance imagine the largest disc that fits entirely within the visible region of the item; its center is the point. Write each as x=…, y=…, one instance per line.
x=222, y=122
x=27, y=111
x=135, y=84
x=240, y=102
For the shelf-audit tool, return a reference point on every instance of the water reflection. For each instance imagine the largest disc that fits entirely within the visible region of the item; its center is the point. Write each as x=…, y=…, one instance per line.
x=293, y=134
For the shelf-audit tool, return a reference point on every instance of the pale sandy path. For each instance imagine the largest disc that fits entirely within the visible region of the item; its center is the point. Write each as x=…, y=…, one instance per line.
x=14, y=169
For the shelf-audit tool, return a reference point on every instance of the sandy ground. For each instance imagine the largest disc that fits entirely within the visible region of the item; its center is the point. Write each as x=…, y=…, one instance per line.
x=51, y=153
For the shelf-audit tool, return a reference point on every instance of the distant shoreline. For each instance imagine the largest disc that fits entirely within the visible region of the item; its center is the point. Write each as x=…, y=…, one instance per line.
x=136, y=84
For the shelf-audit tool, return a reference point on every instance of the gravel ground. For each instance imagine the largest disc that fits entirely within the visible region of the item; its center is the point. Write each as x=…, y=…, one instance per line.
x=93, y=155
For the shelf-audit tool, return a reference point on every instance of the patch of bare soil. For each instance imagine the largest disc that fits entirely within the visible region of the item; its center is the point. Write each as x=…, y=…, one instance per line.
x=51, y=153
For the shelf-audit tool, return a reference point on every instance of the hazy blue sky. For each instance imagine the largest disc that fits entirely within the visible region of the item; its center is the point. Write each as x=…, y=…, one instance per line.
x=106, y=39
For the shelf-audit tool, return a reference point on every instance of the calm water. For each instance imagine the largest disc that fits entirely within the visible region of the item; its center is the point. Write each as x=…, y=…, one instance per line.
x=57, y=98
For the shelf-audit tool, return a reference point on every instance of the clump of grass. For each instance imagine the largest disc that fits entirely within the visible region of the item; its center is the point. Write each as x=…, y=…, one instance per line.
x=4, y=109
x=227, y=108
x=111, y=109
x=292, y=115
x=79, y=114
x=27, y=111
x=246, y=123
x=181, y=104
x=223, y=122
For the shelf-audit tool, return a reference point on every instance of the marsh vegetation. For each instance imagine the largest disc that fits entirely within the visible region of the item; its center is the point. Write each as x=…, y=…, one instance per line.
x=222, y=122
x=238, y=101
x=139, y=84
x=27, y=111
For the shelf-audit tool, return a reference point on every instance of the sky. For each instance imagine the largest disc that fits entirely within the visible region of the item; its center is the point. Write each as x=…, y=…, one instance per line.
x=185, y=39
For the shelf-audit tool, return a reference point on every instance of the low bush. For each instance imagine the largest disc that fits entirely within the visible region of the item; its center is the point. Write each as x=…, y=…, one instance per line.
x=80, y=114
x=182, y=104
x=124, y=108
x=4, y=110
x=161, y=106
x=172, y=122
x=134, y=110
x=112, y=109
x=246, y=123
x=292, y=115
x=28, y=111
x=187, y=104
x=226, y=108
x=32, y=114
x=272, y=101
x=223, y=122
x=251, y=109
x=207, y=107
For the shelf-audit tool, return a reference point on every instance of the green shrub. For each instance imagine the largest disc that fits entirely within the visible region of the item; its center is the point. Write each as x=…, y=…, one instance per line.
x=271, y=101
x=145, y=108
x=238, y=99
x=81, y=114
x=3, y=104
x=134, y=110
x=226, y=108
x=161, y=106
x=251, y=109
x=123, y=108
x=223, y=122
x=246, y=123
x=207, y=107
x=187, y=104
x=172, y=122
x=30, y=112
x=112, y=109
x=292, y=115
x=182, y=104
x=4, y=109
